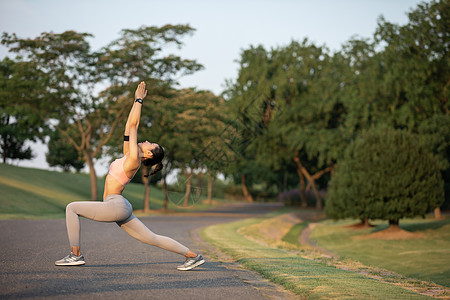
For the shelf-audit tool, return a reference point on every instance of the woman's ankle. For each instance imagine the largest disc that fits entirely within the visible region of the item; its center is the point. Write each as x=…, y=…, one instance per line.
x=191, y=254
x=75, y=250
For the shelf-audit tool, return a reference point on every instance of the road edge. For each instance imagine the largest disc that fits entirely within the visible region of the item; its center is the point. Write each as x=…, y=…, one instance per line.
x=265, y=287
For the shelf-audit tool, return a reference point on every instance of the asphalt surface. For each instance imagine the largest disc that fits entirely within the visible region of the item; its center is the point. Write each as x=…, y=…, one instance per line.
x=120, y=267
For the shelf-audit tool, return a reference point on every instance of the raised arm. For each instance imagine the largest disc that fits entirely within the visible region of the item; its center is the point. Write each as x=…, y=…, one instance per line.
x=132, y=124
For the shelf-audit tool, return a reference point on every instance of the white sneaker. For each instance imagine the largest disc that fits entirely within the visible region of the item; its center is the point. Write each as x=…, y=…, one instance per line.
x=191, y=262
x=71, y=260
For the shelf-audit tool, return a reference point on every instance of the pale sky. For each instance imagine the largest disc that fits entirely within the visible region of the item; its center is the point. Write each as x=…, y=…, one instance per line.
x=223, y=28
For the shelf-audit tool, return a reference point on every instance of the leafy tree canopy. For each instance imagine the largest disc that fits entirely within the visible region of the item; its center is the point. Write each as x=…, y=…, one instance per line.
x=385, y=174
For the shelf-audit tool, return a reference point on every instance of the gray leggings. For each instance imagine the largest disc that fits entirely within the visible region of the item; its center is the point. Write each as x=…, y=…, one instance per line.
x=115, y=208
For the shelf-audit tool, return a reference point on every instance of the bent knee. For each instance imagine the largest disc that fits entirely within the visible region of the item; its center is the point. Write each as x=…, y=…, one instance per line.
x=71, y=207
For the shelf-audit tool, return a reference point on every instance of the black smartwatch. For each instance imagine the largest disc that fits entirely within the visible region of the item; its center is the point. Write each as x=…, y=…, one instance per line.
x=139, y=100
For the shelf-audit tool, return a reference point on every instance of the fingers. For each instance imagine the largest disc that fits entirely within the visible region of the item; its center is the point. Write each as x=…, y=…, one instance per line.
x=141, y=92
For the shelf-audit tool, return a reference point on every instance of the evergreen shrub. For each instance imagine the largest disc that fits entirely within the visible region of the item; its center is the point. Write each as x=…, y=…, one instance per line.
x=385, y=174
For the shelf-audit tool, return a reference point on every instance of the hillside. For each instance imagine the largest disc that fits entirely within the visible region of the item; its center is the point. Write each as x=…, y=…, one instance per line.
x=36, y=193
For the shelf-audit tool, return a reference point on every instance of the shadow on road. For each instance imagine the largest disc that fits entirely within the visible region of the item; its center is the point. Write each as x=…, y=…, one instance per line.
x=119, y=267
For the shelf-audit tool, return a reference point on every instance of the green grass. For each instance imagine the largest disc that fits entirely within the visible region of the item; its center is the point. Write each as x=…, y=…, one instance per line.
x=293, y=234
x=426, y=258
x=34, y=193
x=305, y=277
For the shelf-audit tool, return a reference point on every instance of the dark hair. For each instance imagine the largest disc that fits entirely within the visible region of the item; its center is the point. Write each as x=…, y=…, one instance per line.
x=158, y=155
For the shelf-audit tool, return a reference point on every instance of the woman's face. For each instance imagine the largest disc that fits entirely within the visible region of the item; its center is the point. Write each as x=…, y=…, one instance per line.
x=146, y=148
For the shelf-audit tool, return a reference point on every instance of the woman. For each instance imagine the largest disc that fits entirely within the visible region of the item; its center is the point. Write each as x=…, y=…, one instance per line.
x=115, y=208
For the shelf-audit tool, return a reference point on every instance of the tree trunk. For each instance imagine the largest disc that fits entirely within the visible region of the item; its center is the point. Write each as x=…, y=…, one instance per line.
x=147, y=191
x=312, y=179
x=166, y=193
x=365, y=222
x=200, y=184
x=302, y=189
x=4, y=139
x=188, y=190
x=93, y=175
x=437, y=213
x=315, y=191
x=319, y=204
x=393, y=224
x=248, y=197
x=210, y=188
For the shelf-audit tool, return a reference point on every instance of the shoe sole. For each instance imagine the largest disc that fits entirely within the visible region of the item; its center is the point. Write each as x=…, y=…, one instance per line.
x=201, y=262
x=78, y=263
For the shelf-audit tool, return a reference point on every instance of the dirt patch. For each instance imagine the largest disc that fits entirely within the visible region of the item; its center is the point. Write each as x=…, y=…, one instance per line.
x=277, y=227
x=392, y=233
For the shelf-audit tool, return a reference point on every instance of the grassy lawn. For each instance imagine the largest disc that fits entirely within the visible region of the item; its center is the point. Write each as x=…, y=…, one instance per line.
x=306, y=277
x=426, y=257
x=292, y=236
x=34, y=193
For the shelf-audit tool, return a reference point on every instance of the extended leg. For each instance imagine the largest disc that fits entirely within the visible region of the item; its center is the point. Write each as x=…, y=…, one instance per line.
x=134, y=227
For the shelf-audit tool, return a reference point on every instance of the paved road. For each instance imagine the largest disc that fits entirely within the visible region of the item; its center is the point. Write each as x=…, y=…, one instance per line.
x=119, y=267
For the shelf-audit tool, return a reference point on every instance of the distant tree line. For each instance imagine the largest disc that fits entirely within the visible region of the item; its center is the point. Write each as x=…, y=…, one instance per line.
x=370, y=120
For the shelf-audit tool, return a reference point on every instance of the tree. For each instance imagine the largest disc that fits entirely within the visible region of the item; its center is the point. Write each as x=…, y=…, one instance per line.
x=313, y=122
x=62, y=154
x=13, y=140
x=416, y=77
x=186, y=124
x=293, y=92
x=183, y=122
x=66, y=103
x=252, y=105
x=73, y=73
x=436, y=138
x=137, y=55
x=404, y=84
x=19, y=123
x=385, y=174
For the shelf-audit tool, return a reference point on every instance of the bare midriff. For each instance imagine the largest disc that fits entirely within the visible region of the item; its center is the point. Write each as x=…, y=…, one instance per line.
x=112, y=186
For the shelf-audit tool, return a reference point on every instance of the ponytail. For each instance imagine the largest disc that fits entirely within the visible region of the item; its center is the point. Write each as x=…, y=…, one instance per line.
x=158, y=168
x=158, y=155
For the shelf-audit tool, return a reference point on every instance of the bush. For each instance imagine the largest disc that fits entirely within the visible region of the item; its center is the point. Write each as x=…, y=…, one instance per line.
x=292, y=197
x=385, y=174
